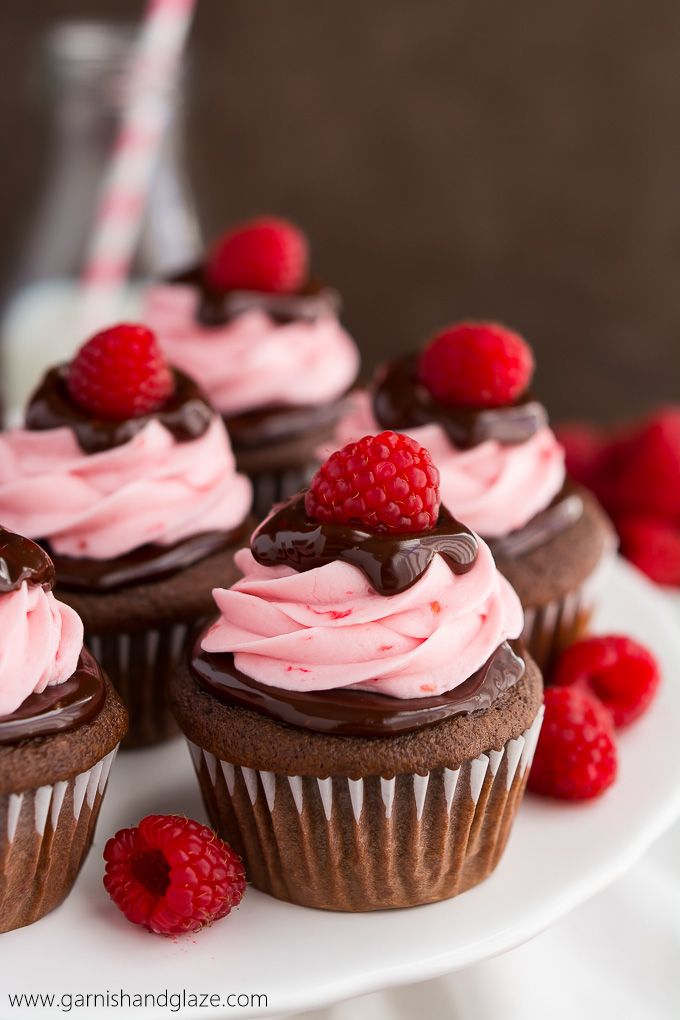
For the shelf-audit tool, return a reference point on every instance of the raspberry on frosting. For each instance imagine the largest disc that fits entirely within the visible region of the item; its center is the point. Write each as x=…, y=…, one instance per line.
x=386, y=483
x=172, y=875
x=477, y=365
x=120, y=373
x=266, y=254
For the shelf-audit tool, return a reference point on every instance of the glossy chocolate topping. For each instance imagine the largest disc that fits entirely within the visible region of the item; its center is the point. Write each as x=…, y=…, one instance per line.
x=565, y=509
x=186, y=414
x=391, y=562
x=147, y=563
x=359, y=713
x=22, y=560
x=217, y=307
x=59, y=707
x=401, y=401
x=253, y=429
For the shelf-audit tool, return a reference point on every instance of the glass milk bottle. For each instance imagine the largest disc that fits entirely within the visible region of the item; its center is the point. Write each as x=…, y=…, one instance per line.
x=82, y=77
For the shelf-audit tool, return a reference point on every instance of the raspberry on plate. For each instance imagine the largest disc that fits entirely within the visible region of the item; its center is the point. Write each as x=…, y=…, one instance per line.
x=386, y=483
x=266, y=254
x=172, y=875
x=575, y=756
x=476, y=364
x=621, y=673
x=120, y=373
x=646, y=468
x=652, y=545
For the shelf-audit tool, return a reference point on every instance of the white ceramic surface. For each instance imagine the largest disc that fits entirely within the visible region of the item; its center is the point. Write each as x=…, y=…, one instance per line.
x=557, y=857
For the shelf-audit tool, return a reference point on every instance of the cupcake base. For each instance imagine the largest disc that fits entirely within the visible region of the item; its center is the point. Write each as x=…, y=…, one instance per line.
x=46, y=829
x=559, y=582
x=360, y=824
x=122, y=631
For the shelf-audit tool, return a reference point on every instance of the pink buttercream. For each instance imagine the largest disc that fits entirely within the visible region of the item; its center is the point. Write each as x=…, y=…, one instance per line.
x=327, y=627
x=493, y=488
x=41, y=641
x=101, y=505
x=251, y=361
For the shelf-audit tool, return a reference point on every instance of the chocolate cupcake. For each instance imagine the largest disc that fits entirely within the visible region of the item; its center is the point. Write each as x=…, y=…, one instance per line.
x=467, y=399
x=60, y=726
x=360, y=719
x=262, y=336
x=126, y=476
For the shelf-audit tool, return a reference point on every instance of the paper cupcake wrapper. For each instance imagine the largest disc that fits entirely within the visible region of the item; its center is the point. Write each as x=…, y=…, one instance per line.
x=552, y=627
x=372, y=842
x=139, y=664
x=271, y=487
x=45, y=834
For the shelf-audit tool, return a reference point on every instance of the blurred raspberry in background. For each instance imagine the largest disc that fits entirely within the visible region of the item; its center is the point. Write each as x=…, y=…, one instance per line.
x=634, y=470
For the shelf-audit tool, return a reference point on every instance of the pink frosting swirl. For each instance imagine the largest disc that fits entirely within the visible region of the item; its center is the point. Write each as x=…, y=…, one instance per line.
x=42, y=639
x=251, y=361
x=101, y=505
x=494, y=488
x=328, y=628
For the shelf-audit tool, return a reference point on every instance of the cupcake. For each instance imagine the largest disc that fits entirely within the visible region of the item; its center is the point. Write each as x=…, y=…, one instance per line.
x=262, y=336
x=360, y=718
x=60, y=725
x=124, y=473
x=466, y=397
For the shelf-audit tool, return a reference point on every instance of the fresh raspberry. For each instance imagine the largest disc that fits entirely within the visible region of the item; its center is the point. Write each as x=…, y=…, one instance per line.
x=621, y=673
x=575, y=756
x=120, y=373
x=265, y=254
x=645, y=468
x=652, y=545
x=172, y=875
x=584, y=450
x=476, y=364
x=385, y=483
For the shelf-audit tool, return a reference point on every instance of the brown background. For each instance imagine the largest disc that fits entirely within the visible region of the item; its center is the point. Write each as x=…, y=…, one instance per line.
x=519, y=160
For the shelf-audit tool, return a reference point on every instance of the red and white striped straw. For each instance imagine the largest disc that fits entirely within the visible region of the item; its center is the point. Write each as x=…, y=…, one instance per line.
x=120, y=213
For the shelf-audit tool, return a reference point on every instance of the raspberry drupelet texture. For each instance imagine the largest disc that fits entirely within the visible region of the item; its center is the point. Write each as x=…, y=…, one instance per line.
x=120, y=373
x=266, y=254
x=172, y=875
x=621, y=673
x=575, y=756
x=477, y=365
x=385, y=483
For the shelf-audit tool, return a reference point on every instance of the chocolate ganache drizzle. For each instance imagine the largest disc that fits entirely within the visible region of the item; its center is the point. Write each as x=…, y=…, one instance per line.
x=22, y=560
x=218, y=307
x=346, y=712
x=186, y=414
x=391, y=562
x=62, y=706
x=146, y=563
x=401, y=401
x=59, y=708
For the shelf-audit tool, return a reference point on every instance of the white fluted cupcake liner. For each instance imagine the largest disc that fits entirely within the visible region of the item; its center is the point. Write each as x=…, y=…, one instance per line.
x=139, y=664
x=45, y=834
x=372, y=842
